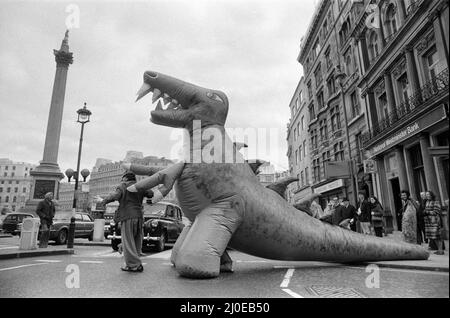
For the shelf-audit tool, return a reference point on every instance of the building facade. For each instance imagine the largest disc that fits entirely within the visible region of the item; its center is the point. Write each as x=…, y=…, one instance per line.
x=336, y=111
x=403, y=49
x=15, y=184
x=105, y=178
x=65, y=200
x=298, y=145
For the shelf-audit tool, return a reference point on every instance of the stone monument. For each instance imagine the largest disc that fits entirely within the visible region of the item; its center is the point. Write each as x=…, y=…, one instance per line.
x=46, y=176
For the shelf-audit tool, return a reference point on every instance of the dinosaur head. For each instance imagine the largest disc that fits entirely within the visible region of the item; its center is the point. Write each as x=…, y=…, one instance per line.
x=179, y=103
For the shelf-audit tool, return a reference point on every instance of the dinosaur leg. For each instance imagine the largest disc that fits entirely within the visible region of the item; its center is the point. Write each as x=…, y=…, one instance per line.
x=201, y=252
x=179, y=243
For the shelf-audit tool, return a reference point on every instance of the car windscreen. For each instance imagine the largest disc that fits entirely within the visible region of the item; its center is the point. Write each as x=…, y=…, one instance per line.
x=62, y=216
x=155, y=210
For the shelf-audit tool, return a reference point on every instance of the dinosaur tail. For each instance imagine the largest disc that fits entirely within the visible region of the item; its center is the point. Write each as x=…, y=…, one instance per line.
x=295, y=236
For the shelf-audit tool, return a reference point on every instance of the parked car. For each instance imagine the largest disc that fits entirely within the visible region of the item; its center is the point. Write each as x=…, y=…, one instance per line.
x=108, y=219
x=12, y=221
x=163, y=223
x=84, y=226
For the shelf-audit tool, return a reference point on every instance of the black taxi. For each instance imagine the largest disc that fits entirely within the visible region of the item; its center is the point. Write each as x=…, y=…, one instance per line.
x=163, y=223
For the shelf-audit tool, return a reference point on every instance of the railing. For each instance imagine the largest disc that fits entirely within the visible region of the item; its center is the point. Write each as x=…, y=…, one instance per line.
x=418, y=100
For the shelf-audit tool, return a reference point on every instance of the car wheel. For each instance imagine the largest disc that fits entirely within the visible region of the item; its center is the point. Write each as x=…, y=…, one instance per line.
x=62, y=237
x=115, y=245
x=91, y=236
x=161, y=243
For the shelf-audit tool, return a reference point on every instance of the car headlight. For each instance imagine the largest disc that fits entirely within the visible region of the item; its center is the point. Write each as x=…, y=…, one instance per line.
x=154, y=223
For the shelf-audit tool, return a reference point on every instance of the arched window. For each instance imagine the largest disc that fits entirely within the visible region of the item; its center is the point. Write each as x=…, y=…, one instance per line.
x=390, y=21
x=348, y=62
x=373, y=45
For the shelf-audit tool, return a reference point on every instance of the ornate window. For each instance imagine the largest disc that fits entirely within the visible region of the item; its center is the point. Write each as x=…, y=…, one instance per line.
x=390, y=21
x=374, y=49
x=356, y=109
x=335, y=118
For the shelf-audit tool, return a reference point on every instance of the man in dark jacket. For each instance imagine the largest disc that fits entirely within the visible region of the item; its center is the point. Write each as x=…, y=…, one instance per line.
x=345, y=212
x=46, y=212
x=364, y=216
x=131, y=218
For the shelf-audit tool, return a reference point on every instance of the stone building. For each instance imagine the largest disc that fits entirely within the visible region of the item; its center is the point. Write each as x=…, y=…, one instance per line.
x=15, y=184
x=66, y=191
x=298, y=145
x=403, y=49
x=336, y=117
x=105, y=178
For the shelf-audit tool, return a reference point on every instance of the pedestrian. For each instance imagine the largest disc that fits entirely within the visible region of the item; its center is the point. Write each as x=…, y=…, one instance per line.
x=409, y=217
x=46, y=212
x=376, y=212
x=345, y=215
x=420, y=221
x=131, y=218
x=432, y=218
x=329, y=210
x=364, y=214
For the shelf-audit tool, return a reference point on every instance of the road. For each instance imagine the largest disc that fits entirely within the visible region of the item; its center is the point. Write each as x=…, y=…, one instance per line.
x=100, y=276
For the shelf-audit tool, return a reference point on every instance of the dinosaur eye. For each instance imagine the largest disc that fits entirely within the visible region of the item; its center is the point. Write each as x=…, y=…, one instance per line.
x=215, y=97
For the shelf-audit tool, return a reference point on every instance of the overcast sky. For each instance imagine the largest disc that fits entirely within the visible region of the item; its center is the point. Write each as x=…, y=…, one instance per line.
x=246, y=48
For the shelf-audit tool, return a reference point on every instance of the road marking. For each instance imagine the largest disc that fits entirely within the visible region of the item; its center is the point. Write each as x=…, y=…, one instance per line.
x=92, y=262
x=290, y=292
x=47, y=261
x=163, y=255
x=21, y=266
x=287, y=278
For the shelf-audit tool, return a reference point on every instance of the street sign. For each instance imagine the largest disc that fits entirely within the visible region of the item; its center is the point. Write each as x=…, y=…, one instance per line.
x=337, y=169
x=370, y=166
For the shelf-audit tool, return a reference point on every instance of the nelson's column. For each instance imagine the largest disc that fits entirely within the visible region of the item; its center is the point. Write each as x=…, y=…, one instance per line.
x=46, y=176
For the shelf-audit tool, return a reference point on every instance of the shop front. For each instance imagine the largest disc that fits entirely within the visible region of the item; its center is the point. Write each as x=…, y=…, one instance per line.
x=405, y=162
x=329, y=190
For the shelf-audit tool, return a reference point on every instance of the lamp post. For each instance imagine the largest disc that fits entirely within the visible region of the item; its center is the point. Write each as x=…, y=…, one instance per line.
x=340, y=78
x=83, y=118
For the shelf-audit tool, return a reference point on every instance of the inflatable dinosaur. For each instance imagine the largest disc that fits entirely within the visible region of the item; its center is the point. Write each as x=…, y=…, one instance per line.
x=227, y=204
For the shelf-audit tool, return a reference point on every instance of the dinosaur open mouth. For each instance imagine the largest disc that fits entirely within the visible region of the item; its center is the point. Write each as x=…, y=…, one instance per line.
x=161, y=100
x=166, y=105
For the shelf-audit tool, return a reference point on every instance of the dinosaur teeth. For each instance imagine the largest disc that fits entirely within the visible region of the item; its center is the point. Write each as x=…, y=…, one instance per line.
x=144, y=90
x=167, y=98
x=156, y=95
x=159, y=106
x=172, y=106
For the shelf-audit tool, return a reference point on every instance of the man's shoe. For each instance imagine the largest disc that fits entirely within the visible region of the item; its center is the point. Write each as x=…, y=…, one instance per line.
x=138, y=269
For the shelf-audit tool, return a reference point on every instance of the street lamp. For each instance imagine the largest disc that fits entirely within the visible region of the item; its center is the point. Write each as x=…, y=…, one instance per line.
x=340, y=78
x=83, y=118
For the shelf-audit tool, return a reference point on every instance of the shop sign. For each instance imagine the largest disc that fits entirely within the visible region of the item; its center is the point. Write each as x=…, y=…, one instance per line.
x=407, y=132
x=329, y=186
x=370, y=166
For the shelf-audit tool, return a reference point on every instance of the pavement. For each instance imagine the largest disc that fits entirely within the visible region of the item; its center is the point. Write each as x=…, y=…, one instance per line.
x=9, y=248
